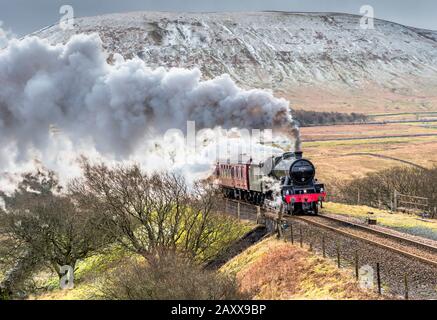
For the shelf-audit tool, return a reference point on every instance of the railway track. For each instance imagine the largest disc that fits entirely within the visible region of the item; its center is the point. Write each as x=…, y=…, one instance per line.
x=404, y=246
x=394, y=258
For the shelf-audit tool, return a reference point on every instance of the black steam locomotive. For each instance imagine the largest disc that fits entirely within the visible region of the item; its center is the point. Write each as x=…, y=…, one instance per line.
x=285, y=182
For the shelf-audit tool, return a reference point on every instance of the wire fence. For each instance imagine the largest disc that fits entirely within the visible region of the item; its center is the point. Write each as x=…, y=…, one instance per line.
x=396, y=202
x=375, y=269
x=242, y=211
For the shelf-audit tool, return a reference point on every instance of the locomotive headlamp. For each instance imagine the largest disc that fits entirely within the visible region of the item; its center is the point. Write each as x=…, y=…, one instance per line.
x=305, y=191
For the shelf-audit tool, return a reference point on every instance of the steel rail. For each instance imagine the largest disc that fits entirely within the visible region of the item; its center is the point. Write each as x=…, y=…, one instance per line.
x=380, y=232
x=274, y=216
x=372, y=242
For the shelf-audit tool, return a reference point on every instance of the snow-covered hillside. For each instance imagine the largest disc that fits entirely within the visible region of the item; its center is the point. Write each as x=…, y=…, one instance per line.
x=288, y=52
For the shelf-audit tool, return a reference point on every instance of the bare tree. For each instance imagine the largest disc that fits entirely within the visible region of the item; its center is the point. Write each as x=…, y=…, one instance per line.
x=378, y=187
x=47, y=226
x=150, y=212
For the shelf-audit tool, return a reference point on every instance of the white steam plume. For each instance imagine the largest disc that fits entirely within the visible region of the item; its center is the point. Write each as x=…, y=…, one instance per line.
x=60, y=100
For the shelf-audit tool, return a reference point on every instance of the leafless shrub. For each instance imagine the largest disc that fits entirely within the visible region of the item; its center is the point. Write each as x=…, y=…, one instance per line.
x=168, y=276
x=308, y=118
x=42, y=226
x=378, y=187
x=149, y=212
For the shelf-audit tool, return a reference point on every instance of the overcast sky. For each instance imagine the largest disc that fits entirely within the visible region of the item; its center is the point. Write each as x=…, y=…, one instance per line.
x=24, y=16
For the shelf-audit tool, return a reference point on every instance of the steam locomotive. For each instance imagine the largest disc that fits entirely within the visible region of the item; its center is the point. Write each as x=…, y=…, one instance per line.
x=285, y=182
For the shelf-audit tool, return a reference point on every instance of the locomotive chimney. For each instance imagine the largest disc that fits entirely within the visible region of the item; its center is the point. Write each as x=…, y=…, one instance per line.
x=298, y=154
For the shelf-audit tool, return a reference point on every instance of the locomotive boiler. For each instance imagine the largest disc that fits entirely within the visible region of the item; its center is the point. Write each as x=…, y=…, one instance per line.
x=286, y=182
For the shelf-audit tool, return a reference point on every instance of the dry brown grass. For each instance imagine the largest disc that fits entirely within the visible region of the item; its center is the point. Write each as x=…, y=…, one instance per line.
x=367, y=100
x=334, y=162
x=276, y=270
x=392, y=104
x=365, y=131
x=408, y=223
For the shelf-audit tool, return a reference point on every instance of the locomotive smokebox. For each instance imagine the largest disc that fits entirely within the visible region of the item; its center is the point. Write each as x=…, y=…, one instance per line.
x=298, y=154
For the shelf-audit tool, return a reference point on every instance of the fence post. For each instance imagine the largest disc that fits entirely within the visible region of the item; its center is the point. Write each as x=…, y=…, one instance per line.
x=378, y=277
x=226, y=206
x=238, y=211
x=356, y=266
x=291, y=233
x=323, y=247
x=406, y=286
x=279, y=221
x=358, y=197
x=395, y=200
x=338, y=254
x=258, y=214
x=279, y=224
x=301, y=237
